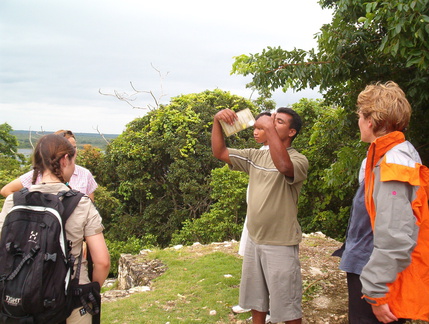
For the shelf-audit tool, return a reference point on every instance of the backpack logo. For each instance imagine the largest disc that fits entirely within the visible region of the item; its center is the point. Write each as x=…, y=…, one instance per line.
x=13, y=301
x=33, y=237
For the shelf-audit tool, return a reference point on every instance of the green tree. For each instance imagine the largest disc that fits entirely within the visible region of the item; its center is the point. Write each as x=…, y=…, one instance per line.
x=161, y=164
x=365, y=42
x=327, y=136
x=224, y=221
x=10, y=159
x=8, y=143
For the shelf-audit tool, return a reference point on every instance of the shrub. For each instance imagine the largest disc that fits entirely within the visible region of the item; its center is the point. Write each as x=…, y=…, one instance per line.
x=225, y=219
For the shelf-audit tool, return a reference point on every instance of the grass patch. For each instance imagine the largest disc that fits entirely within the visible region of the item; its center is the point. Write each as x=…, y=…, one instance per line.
x=192, y=287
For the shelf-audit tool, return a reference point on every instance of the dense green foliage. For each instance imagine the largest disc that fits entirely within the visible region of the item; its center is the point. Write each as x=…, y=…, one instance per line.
x=327, y=136
x=365, y=42
x=224, y=221
x=12, y=164
x=8, y=142
x=160, y=167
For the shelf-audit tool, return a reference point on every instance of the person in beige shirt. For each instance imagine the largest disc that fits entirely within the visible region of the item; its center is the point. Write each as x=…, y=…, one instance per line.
x=271, y=274
x=54, y=159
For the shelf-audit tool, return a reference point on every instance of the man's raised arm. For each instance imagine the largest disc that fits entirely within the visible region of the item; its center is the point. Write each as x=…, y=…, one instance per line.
x=218, y=142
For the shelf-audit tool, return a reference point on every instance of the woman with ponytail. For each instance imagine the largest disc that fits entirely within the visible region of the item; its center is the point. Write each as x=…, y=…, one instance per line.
x=54, y=160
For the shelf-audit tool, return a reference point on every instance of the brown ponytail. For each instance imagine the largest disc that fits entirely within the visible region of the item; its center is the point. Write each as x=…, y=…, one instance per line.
x=48, y=153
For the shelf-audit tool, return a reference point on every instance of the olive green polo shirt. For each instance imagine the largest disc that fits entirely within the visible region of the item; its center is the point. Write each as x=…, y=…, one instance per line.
x=273, y=198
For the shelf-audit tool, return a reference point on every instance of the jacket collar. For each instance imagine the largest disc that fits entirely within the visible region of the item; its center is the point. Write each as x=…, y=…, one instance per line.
x=376, y=151
x=380, y=146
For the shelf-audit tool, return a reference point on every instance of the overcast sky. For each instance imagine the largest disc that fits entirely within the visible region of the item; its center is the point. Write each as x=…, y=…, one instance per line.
x=56, y=55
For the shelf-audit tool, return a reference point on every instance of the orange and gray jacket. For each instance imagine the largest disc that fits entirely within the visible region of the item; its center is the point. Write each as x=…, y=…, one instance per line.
x=396, y=197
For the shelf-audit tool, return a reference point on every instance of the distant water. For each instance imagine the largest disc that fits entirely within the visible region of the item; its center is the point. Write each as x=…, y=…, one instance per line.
x=25, y=151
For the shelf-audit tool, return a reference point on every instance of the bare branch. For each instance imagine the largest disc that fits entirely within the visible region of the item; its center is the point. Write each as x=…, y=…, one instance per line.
x=161, y=80
x=102, y=135
x=129, y=98
x=38, y=133
x=30, y=139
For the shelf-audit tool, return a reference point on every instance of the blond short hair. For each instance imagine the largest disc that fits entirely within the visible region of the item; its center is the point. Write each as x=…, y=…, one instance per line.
x=386, y=105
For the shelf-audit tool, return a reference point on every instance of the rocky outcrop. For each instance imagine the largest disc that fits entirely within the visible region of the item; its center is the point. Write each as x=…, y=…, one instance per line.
x=135, y=273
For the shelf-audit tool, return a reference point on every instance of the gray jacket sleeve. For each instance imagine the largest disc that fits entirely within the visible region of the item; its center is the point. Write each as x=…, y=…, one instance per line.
x=395, y=236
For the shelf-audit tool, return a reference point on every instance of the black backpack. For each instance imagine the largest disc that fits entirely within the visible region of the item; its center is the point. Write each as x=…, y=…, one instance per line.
x=35, y=260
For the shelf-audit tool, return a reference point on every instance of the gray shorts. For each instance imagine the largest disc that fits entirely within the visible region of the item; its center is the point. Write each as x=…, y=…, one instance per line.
x=271, y=280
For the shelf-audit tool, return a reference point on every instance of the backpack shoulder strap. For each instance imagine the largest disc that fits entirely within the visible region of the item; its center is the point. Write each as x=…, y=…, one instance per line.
x=71, y=199
x=19, y=196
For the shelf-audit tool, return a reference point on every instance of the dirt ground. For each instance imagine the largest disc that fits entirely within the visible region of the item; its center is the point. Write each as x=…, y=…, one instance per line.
x=327, y=302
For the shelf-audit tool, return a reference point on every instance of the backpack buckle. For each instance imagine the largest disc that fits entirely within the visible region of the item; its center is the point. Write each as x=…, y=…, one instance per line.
x=51, y=257
x=77, y=291
x=49, y=303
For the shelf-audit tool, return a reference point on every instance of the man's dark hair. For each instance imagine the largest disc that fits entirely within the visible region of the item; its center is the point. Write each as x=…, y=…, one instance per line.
x=295, y=123
x=264, y=113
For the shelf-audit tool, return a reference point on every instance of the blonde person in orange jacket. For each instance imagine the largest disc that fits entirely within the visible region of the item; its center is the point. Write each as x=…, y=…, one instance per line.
x=395, y=281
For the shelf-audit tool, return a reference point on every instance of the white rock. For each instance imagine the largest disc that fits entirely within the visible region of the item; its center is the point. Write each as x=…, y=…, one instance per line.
x=138, y=289
x=316, y=271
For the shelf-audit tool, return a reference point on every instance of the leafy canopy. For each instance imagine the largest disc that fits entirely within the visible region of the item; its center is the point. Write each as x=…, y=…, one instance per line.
x=161, y=165
x=365, y=42
x=224, y=221
x=329, y=143
x=8, y=142
x=11, y=162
